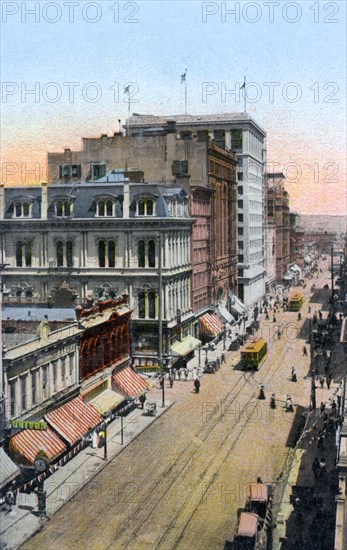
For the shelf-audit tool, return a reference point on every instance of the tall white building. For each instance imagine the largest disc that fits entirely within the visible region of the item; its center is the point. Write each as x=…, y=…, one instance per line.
x=239, y=132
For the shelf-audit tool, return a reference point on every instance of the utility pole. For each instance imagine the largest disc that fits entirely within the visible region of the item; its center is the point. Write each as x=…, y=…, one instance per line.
x=313, y=372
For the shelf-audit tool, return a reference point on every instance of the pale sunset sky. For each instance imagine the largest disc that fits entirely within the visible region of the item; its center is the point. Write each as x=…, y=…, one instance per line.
x=78, y=56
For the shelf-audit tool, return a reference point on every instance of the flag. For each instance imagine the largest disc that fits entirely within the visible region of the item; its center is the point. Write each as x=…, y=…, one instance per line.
x=243, y=87
x=127, y=89
x=183, y=77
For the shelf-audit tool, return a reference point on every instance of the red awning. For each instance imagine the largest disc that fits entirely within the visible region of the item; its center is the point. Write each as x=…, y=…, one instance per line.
x=129, y=383
x=25, y=446
x=210, y=324
x=74, y=419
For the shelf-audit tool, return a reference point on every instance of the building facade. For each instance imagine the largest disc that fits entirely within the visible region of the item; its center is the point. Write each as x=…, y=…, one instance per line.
x=70, y=244
x=239, y=133
x=278, y=212
x=202, y=167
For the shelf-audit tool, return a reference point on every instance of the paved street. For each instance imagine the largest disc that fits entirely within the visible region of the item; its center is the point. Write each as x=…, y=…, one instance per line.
x=182, y=481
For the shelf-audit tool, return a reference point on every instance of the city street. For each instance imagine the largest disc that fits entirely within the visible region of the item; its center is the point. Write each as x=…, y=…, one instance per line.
x=181, y=482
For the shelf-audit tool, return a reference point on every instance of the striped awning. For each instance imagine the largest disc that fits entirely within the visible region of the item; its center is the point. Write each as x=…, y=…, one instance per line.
x=74, y=419
x=129, y=383
x=8, y=469
x=210, y=324
x=25, y=446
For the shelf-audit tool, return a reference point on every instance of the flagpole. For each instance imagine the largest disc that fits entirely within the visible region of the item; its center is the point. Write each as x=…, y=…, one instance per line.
x=245, y=95
x=128, y=112
x=185, y=93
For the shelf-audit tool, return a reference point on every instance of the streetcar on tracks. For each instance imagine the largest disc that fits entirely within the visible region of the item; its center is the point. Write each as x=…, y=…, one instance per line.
x=254, y=354
x=295, y=301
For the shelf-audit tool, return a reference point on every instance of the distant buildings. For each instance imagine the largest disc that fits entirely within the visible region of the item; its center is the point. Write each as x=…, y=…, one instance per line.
x=278, y=213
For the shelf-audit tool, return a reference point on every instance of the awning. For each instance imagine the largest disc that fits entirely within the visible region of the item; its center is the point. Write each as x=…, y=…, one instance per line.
x=226, y=315
x=25, y=446
x=74, y=419
x=210, y=324
x=185, y=347
x=129, y=383
x=295, y=268
x=8, y=469
x=106, y=401
x=236, y=305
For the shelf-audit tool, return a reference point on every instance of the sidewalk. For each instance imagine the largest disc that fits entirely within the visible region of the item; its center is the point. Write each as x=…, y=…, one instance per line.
x=22, y=522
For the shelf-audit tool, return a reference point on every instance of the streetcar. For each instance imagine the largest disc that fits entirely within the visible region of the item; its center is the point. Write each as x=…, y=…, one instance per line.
x=296, y=299
x=254, y=354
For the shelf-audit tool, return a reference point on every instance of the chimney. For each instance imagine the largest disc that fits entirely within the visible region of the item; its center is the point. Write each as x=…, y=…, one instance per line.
x=44, y=201
x=171, y=126
x=126, y=200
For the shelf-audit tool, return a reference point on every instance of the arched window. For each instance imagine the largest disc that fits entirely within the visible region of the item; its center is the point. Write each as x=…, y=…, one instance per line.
x=18, y=209
x=151, y=305
x=60, y=253
x=69, y=254
x=102, y=253
x=28, y=253
x=151, y=254
x=141, y=208
x=149, y=207
x=59, y=208
x=142, y=305
x=141, y=253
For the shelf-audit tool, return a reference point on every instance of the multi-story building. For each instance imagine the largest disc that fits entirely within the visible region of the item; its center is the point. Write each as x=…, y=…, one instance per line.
x=240, y=133
x=202, y=167
x=296, y=240
x=270, y=256
x=71, y=243
x=278, y=212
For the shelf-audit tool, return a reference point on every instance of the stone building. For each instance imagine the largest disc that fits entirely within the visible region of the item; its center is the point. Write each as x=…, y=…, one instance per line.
x=278, y=212
x=196, y=163
x=73, y=243
x=239, y=133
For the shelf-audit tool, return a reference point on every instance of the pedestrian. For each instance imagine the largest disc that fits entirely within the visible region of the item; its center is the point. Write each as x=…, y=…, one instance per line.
x=304, y=350
x=267, y=317
x=171, y=379
x=299, y=316
x=274, y=319
x=197, y=385
x=320, y=315
x=261, y=392
x=279, y=334
x=142, y=400
x=328, y=381
x=333, y=407
x=294, y=377
x=222, y=358
x=217, y=363
x=321, y=381
x=273, y=401
x=320, y=445
x=309, y=309
x=186, y=373
x=315, y=468
x=179, y=374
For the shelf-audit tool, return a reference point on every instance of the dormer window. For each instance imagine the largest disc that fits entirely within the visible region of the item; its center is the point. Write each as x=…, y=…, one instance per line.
x=145, y=207
x=63, y=208
x=67, y=171
x=22, y=209
x=105, y=208
x=98, y=171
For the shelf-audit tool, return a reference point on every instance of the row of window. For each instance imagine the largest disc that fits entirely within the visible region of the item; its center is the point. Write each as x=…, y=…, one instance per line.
x=30, y=389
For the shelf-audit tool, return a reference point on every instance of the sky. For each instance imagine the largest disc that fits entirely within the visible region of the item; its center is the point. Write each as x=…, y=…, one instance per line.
x=65, y=65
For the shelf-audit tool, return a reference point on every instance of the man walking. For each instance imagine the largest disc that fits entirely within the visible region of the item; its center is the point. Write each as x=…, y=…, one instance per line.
x=197, y=385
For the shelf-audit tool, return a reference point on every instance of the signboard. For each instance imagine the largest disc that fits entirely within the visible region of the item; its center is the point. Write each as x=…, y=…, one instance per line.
x=29, y=424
